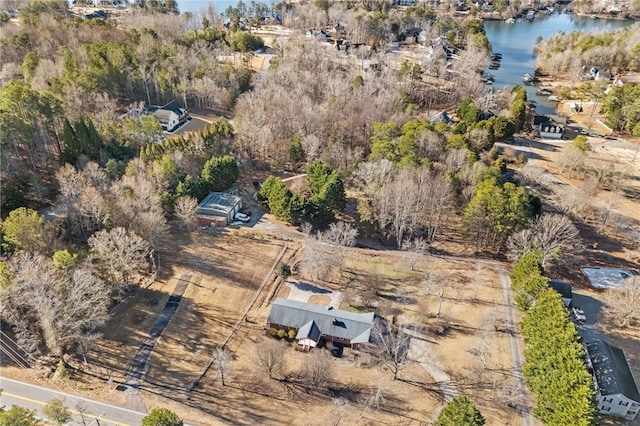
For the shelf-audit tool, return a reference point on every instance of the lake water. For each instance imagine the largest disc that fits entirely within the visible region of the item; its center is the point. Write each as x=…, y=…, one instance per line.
x=516, y=43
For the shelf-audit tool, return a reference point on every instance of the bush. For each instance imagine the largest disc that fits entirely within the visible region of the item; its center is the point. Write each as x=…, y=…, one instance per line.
x=161, y=417
x=273, y=332
x=582, y=143
x=62, y=369
x=292, y=334
x=282, y=333
x=283, y=271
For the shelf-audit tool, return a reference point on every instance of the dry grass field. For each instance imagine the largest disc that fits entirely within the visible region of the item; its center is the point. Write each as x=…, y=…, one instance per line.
x=472, y=309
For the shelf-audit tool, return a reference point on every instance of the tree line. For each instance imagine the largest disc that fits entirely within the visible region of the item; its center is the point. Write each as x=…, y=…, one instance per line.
x=554, y=367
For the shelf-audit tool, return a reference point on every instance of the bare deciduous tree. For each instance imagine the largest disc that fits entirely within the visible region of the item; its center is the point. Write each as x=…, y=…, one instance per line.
x=52, y=308
x=306, y=228
x=137, y=205
x=370, y=177
x=413, y=200
x=376, y=397
x=270, y=358
x=533, y=175
x=317, y=259
x=185, y=210
x=392, y=345
x=342, y=234
x=416, y=248
x=511, y=395
x=118, y=254
x=316, y=370
x=431, y=280
x=571, y=160
x=624, y=302
x=604, y=213
x=340, y=409
x=554, y=234
x=482, y=352
x=222, y=359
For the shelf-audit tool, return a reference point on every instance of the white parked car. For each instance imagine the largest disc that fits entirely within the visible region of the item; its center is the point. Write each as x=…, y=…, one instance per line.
x=579, y=314
x=242, y=217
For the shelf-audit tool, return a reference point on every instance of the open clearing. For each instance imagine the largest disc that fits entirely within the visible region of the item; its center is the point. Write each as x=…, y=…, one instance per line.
x=471, y=323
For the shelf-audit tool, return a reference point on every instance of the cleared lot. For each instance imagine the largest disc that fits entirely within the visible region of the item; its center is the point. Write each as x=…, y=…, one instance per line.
x=468, y=347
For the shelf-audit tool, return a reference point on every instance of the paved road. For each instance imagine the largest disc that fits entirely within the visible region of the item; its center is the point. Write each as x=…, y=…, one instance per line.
x=93, y=412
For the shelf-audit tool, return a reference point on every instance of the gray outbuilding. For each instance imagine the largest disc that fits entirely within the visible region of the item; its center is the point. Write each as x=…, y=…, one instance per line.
x=217, y=206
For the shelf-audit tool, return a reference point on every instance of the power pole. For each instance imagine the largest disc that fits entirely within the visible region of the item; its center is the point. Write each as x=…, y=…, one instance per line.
x=439, y=305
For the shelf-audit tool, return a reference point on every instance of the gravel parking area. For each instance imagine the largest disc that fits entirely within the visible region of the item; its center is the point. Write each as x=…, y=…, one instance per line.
x=302, y=291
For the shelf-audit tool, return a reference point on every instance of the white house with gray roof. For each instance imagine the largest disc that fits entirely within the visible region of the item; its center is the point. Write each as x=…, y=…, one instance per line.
x=170, y=116
x=616, y=388
x=315, y=323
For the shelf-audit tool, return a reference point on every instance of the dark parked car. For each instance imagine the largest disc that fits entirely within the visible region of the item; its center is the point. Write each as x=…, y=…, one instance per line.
x=336, y=350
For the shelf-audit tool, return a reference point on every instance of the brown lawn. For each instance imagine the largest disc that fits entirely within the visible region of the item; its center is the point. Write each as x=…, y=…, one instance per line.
x=472, y=298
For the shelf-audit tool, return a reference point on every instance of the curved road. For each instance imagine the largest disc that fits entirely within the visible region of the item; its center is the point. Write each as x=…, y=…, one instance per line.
x=85, y=411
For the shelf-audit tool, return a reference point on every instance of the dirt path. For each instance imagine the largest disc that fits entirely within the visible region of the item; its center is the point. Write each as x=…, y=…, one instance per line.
x=140, y=363
x=420, y=350
x=514, y=344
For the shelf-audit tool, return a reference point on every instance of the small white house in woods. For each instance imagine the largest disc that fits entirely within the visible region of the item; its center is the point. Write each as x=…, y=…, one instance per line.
x=616, y=389
x=319, y=323
x=171, y=116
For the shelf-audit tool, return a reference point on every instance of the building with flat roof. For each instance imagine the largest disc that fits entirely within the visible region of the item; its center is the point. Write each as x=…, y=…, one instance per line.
x=219, y=208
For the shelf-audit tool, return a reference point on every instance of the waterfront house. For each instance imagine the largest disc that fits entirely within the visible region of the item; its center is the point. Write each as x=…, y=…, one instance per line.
x=547, y=128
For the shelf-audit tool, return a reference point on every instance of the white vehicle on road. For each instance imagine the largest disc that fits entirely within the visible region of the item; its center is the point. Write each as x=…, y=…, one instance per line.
x=579, y=314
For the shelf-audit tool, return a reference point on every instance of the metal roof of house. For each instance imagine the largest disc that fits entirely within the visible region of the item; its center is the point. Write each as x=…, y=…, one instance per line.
x=332, y=322
x=309, y=331
x=163, y=115
x=540, y=119
x=612, y=371
x=562, y=287
x=218, y=203
x=173, y=106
